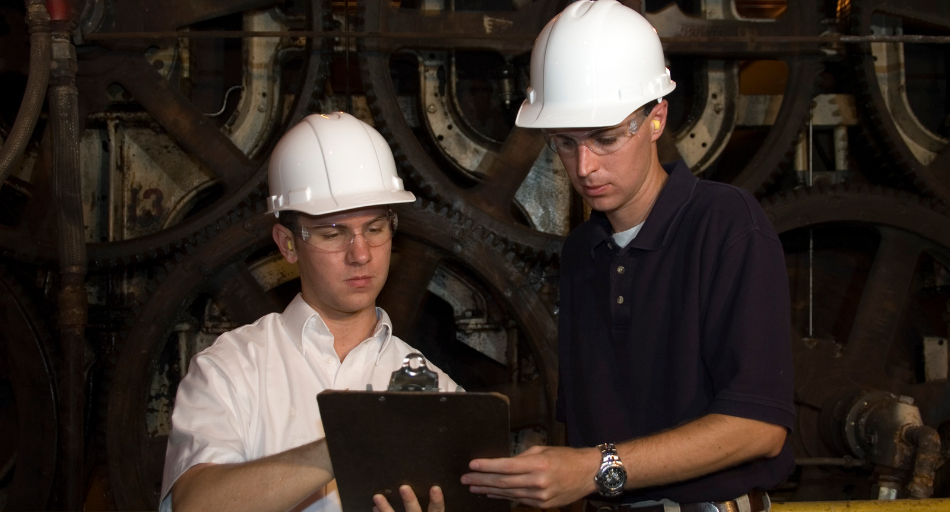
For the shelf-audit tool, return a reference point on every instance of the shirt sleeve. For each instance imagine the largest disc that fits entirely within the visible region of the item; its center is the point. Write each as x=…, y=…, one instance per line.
x=206, y=424
x=747, y=331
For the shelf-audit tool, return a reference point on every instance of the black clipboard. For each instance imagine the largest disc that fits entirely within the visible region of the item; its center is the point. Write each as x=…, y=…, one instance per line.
x=381, y=440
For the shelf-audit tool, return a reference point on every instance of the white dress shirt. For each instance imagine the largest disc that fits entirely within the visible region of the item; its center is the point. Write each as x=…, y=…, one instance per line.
x=253, y=392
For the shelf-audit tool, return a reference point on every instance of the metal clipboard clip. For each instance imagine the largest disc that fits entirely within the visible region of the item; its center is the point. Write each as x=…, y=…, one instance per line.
x=420, y=378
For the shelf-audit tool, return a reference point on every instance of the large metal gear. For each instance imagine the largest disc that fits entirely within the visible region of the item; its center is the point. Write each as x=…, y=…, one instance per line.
x=723, y=116
x=488, y=199
x=171, y=172
x=244, y=277
x=920, y=149
x=864, y=300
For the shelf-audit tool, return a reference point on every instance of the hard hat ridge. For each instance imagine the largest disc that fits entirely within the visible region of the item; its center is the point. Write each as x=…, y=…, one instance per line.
x=332, y=162
x=592, y=65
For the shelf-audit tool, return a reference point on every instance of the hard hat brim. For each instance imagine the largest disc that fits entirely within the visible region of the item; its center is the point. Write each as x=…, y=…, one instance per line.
x=326, y=206
x=581, y=116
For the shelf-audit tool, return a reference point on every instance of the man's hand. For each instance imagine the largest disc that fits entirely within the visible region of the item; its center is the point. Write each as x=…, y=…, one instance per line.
x=542, y=476
x=436, y=501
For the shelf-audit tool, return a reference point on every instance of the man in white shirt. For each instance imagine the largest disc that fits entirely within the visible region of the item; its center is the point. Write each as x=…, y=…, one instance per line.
x=246, y=429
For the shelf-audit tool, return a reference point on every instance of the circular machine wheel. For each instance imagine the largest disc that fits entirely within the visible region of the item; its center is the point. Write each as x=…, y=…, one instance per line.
x=902, y=111
x=502, y=169
x=446, y=105
x=726, y=134
x=161, y=171
x=879, y=287
x=239, y=272
x=28, y=414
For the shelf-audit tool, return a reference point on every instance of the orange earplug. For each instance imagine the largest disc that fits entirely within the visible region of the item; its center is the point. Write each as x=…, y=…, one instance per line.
x=656, y=124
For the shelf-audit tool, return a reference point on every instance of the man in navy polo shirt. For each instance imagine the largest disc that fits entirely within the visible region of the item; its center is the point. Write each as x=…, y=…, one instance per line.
x=675, y=358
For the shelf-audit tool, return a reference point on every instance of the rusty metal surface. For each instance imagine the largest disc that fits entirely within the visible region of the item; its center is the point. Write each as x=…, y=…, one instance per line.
x=923, y=155
x=858, y=342
x=179, y=117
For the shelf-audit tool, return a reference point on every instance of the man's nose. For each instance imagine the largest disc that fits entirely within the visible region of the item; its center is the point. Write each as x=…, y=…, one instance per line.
x=358, y=253
x=586, y=161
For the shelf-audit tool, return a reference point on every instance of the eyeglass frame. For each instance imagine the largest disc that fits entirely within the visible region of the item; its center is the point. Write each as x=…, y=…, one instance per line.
x=632, y=129
x=304, y=234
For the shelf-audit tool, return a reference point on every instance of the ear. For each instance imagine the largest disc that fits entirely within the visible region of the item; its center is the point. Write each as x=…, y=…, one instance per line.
x=284, y=239
x=659, y=115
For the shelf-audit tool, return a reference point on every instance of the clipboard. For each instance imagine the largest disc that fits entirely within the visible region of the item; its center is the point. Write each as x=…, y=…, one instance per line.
x=381, y=440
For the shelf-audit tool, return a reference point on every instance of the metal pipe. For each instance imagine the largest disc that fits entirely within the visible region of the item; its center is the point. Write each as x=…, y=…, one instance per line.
x=931, y=505
x=113, y=172
x=926, y=459
x=37, y=18
x=811, y=233
x=841, y=148
x=73, y=301
x=319, y=34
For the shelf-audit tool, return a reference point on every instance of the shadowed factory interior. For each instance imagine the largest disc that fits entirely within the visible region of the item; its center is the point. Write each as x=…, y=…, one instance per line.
x=136, y=141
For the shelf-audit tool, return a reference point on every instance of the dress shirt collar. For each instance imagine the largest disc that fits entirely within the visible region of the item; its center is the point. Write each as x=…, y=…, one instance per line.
x=299, y=315
x=657, y=228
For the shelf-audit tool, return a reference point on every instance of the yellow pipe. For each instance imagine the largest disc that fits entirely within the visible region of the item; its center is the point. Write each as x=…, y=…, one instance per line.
x=931, y=505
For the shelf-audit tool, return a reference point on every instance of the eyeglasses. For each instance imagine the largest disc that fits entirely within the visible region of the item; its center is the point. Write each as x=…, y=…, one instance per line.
x=602, y=141
x=338, y=237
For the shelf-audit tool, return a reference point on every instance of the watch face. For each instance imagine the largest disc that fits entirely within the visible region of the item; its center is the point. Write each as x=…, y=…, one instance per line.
x=614, y=477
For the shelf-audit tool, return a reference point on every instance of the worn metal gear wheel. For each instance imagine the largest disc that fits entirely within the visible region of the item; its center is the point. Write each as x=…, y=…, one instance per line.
x=225, y=274
x=197, y=172
x=919, y=149
x=873, y=288
x=710, y=130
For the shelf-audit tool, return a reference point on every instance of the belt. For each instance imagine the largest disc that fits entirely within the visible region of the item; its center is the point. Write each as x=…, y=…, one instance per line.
x=754, y=501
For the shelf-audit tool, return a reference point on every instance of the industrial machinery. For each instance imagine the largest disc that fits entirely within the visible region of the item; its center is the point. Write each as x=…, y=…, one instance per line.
x=132, y=230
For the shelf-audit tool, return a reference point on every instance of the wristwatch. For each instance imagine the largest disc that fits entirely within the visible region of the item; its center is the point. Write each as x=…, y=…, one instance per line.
x=611, y=476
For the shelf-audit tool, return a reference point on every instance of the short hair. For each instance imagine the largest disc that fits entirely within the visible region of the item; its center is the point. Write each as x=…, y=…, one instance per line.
x=649, y=106
x=288, y=219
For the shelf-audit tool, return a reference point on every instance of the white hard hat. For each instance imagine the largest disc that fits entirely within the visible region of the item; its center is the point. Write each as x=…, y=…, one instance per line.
x=592, y=65
x=332, y=162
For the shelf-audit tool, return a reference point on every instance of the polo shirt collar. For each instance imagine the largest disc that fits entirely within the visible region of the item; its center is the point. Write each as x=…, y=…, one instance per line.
x=659, y=223
x=299, y=315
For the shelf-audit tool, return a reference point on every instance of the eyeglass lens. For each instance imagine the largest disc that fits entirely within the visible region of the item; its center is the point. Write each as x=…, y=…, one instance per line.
x=599, y=142
x=337, y=237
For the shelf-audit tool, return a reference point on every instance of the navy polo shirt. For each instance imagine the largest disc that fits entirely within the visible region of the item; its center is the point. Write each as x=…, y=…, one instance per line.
x=690, y=318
